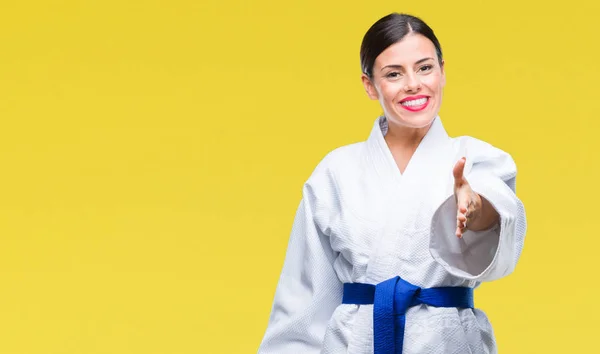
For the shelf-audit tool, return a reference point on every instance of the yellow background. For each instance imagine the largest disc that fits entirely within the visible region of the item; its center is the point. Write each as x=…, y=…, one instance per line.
x=152, y=156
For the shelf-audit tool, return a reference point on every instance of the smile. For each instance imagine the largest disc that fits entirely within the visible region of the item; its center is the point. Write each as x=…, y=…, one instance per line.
x=415, y=104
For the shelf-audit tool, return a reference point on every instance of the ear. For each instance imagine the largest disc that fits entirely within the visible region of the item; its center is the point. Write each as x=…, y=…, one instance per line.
x=442, y=68
x=369, y=87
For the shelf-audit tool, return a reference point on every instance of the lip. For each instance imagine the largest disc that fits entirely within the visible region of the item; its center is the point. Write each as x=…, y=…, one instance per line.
x=415, y=108
x=410, y=98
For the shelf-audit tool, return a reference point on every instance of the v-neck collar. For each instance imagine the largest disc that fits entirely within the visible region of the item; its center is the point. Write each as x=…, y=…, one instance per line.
x=383, y=159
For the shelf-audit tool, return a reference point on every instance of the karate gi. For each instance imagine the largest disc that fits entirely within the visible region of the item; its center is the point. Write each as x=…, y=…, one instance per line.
x=361, y=221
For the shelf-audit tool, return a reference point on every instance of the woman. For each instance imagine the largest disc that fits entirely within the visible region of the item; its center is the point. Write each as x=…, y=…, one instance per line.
x=393, y=234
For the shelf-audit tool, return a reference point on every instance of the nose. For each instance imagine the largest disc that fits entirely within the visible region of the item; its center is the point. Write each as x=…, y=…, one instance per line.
x=413, y=84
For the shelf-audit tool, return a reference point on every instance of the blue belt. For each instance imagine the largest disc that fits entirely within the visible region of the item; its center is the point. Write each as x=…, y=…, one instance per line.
x=392, y=298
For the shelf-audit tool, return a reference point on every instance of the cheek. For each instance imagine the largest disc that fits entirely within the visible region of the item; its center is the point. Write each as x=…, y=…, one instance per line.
x=434, y=83
x=390, y=92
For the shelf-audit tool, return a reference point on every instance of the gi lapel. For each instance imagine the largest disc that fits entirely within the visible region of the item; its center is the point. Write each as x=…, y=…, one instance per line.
x=425, y=178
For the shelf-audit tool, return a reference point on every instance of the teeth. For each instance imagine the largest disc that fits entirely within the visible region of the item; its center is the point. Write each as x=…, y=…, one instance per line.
x=418, y=102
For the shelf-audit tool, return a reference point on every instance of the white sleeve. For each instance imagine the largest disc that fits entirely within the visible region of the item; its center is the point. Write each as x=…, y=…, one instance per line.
x=490, y=254
x=308, y=290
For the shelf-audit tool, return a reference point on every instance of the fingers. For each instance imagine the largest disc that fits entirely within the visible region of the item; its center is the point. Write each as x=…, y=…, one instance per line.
x=466, y=214
x=461, y=221
x=458, y=171
x=464, y=199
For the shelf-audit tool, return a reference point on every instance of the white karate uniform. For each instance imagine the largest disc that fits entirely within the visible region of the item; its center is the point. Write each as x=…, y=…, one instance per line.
x=361, y=220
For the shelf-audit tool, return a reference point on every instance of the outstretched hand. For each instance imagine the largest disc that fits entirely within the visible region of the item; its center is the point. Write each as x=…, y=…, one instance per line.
x=469, y=203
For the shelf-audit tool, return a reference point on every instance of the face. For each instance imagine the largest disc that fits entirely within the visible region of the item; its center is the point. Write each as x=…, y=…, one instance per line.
x=408, y=81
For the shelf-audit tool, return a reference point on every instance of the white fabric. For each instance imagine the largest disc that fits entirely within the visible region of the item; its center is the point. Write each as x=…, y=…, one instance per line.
x=361, y=220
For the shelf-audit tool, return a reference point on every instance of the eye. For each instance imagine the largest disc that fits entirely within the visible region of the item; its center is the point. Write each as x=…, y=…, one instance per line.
x=393, y=75
x=427, y=67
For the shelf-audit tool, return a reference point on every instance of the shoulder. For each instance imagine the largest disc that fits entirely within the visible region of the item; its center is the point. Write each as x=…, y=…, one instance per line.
x=479, y=150
x=339, y=161
x=340, y=158
x=483, y=156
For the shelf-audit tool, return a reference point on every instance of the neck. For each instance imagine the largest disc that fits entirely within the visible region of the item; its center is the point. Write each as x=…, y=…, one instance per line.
x=405, y=138
x=403, y=142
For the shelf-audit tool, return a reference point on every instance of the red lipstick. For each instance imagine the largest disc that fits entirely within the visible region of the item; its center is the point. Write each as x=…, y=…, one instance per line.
x=415, y=108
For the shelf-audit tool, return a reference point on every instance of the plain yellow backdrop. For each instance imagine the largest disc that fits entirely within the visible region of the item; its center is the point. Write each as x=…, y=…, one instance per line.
x=152, y=156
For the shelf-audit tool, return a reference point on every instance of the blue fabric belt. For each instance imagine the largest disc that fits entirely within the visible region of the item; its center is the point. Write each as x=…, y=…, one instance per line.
x=392, y=298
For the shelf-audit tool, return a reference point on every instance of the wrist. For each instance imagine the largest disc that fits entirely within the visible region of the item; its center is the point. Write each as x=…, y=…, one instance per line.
x=487, y=217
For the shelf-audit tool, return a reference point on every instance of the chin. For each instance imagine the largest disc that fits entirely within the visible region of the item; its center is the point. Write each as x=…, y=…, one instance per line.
x=420, y=121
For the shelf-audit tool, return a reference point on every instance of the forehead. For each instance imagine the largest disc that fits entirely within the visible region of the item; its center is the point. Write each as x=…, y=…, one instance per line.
x=411, y=48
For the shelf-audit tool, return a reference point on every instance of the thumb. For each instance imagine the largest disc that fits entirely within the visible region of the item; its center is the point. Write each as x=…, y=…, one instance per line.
x=458, y=171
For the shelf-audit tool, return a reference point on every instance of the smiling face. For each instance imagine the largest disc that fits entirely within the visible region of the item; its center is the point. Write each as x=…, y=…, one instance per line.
x=408, y=81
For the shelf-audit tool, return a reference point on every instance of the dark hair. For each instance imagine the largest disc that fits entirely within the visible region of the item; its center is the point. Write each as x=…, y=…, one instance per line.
x=389, y=30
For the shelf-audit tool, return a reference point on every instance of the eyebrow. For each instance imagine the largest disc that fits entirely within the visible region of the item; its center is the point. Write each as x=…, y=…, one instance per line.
x=400, y=66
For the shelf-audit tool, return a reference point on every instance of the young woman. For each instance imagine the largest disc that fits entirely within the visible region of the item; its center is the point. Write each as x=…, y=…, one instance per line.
x=393, y=234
